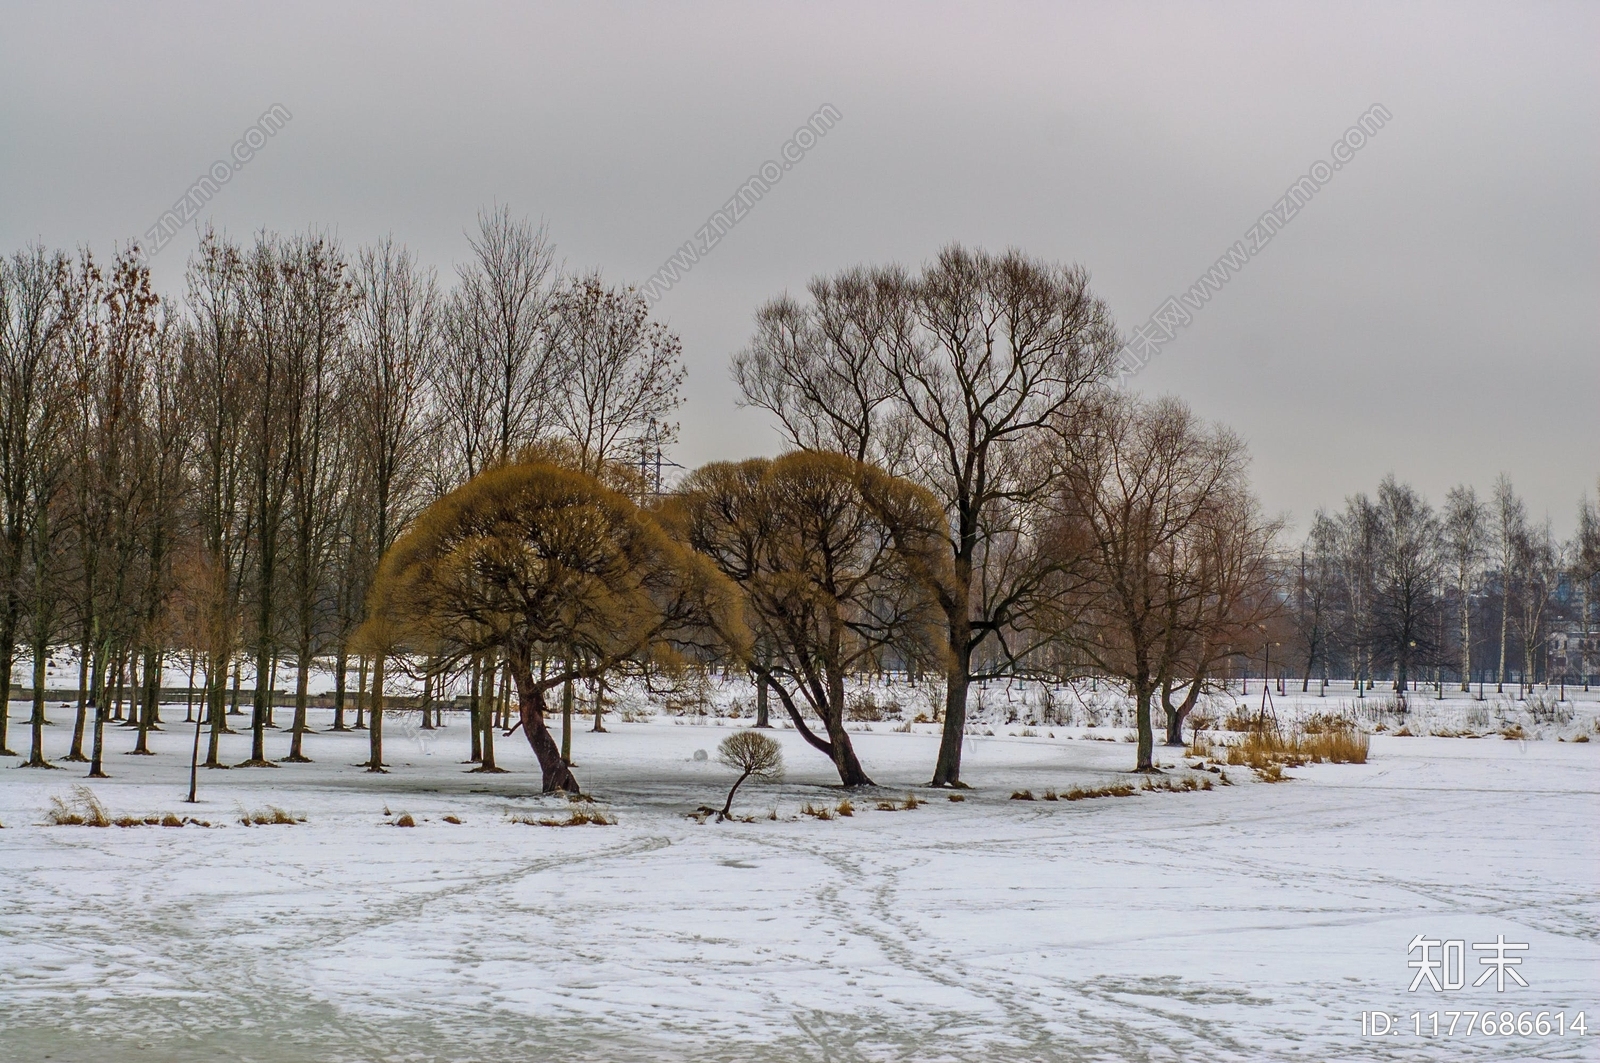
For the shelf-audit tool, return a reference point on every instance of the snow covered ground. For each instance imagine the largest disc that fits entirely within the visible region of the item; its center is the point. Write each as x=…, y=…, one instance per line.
x=1248, y=922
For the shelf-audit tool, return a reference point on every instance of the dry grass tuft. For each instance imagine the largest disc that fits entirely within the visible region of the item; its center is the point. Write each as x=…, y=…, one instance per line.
x=82, y=809
x=405, y=820
x=1081, y=793
x=816, y=811
x=269, y=816
x=911, y=803
x=1581, y=738
x=1022, y=795
x=170, y=820
x=958, y=797
x=1514, y=733
x=453, y=819
x=845, y=808
x=1051, y=795
x=578, y=817
x=1261, y=749
x=1184, y=785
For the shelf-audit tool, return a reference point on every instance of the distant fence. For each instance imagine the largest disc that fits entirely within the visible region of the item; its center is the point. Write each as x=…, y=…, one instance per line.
x=280, y=698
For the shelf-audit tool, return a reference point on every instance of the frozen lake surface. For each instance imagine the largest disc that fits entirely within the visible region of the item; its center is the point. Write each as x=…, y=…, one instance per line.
x=1249, y=922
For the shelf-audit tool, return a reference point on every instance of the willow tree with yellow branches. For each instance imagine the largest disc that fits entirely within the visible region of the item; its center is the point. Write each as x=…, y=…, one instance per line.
x=535, y=561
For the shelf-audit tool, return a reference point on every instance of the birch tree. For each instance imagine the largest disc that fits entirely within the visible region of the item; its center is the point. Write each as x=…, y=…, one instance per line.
x=1510, y=518
x=1465, y=537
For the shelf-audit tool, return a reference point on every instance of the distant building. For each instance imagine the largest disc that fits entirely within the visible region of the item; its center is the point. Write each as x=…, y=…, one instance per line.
x=1574, y=654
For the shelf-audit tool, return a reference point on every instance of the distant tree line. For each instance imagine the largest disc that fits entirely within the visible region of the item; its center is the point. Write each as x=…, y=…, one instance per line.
x=1390, y=589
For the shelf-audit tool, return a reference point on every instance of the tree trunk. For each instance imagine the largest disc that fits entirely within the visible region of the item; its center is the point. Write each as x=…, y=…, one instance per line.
x=474, y=709
x=427, y=697
x=488, y=710
x=8, y=634
x=566, y=721
x=599, y=703
x=216, y=691
x=947, y=771
x=530, y=705
x=302, y=682
x=361, y=694
x=341, y=666
x=259, y=704
x=98, y=703
x=761, y=702
x=1505, y=622
x=36, y=718
x=1142, y=692
x=147, y=701
x=375, y=715
x=76, y=751
x=727, y=806
x=1466, y=642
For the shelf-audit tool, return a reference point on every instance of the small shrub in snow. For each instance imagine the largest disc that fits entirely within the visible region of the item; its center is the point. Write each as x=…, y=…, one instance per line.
x=1547, y=710
x=752, y=754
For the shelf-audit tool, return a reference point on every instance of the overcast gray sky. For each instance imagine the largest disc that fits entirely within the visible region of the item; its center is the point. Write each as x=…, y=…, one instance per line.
x=1431, y=311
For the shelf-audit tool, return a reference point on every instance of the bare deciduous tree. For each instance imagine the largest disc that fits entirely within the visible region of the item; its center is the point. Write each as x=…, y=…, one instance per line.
x=972, y=361
x=622, y=373
x=1140, y=484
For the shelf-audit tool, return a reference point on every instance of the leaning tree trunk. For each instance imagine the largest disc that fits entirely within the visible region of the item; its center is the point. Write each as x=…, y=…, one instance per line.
x=530, y=707
x=849, y=767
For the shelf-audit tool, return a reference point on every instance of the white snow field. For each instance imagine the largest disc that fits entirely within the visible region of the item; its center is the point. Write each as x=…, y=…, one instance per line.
x=1249, y=922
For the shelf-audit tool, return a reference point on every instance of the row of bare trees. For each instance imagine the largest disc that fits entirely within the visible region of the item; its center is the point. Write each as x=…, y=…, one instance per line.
x=1391, y=588
x=215, y=479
